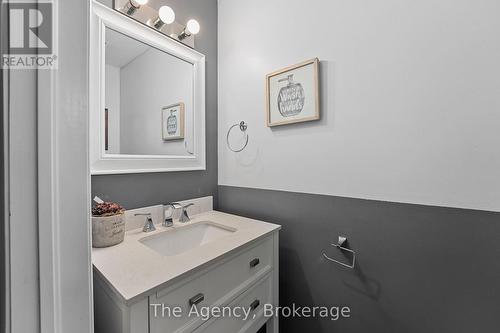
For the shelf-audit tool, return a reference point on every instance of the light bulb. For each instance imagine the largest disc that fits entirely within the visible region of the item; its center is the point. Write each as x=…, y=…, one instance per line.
x=193, y=27
x=166, y=14
x=133, y=5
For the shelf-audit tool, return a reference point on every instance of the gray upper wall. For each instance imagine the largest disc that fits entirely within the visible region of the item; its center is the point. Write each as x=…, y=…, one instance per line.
x=138, y=190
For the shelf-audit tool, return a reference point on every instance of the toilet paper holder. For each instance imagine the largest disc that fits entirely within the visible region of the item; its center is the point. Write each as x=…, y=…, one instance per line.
x=341, y=245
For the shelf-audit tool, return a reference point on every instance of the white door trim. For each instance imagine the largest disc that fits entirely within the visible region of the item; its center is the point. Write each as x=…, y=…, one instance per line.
x=48, y=233
x=64, y=184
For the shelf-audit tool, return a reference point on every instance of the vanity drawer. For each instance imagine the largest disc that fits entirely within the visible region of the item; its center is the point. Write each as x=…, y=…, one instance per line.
x=218, y=285
x=254, y=300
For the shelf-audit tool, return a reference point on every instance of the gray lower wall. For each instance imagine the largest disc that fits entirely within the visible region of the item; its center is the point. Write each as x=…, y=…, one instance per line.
x=419, y=268
x=138, y=190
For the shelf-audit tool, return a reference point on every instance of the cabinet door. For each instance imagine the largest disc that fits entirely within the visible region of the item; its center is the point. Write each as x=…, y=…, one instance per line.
x=254, y=301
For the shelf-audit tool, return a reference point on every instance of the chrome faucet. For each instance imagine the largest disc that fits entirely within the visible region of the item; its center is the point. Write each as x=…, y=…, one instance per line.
x=184, y=215
x=168, y=221
x=149, y=226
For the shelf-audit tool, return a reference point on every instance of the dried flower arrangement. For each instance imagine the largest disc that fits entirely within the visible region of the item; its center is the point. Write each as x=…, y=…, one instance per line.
x=107, y=209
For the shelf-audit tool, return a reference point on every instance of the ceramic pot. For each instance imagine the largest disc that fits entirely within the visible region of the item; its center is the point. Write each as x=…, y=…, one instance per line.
x=108, y=231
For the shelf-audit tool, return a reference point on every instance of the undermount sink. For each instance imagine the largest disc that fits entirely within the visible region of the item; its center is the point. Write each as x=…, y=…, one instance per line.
x=186, y=238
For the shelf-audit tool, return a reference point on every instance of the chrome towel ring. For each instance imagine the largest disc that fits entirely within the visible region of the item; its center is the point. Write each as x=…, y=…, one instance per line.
x=243, y=127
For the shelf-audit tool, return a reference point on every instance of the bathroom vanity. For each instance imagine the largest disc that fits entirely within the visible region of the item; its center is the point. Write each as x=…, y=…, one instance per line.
x=215, y=260
x=147, y=102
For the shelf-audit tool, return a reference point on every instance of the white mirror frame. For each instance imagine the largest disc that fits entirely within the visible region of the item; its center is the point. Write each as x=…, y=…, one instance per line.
x=103, y=163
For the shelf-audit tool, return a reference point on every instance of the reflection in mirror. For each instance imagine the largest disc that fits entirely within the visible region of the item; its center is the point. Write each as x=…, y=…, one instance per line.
x=148, y=99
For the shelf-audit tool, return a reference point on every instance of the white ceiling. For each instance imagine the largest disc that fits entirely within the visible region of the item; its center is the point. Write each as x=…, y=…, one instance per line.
x=121, y=50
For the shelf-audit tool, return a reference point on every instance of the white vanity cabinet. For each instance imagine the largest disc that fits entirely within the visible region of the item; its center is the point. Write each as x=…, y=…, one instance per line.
x=246, y=277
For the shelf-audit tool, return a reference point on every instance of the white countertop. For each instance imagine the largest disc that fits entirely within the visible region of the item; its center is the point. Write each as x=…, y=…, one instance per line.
x=134, y=271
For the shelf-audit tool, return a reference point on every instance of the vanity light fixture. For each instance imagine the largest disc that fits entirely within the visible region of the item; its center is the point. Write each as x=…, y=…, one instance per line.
x=166, y=15
x=157, y=19
x=192, y=28
x=133, y=5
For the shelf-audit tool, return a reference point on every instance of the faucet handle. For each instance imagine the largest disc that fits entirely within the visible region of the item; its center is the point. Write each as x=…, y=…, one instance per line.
x=149, y=225
x=184, y=215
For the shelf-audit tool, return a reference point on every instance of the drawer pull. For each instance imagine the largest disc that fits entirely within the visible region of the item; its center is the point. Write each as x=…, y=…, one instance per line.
x=196, y=299
x=254, y=262
x=255, y=304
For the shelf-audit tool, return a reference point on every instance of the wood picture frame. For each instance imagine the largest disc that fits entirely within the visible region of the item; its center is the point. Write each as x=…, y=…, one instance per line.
x=173, y=122
x=288, y=102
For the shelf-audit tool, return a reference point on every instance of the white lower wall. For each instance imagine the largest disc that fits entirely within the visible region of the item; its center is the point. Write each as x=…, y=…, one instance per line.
x=410, y=95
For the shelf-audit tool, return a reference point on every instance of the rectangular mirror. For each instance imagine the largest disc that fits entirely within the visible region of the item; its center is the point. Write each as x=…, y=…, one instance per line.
x=147, y=99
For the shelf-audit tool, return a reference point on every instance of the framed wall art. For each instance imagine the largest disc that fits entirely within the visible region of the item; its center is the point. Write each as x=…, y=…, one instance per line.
x=292, y=94
x=173, y=122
